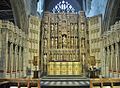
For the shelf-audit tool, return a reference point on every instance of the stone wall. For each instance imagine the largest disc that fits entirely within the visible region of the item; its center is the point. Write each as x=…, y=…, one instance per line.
x=94, y=26
x=12, y=50
x=33, y=43
x=111, y=51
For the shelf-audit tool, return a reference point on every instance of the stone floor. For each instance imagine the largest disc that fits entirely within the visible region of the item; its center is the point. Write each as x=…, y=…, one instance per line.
x=65, y=82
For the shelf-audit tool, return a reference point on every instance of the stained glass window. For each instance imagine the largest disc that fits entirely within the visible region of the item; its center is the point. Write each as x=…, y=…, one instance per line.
x=40, y=6
x=63, y=6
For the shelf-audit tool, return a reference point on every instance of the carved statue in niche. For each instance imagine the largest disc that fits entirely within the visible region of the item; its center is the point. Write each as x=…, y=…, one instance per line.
x=45, y=27
x=74, y=18
x=63, y=16
x=57, y=55
x=52, y=27
x=61, y=57
x=52, y=55
x=52, y=19
x=46, y=33
x=52, y=30
x=72, y=29
x=63, y=54
x=63, y=28
x=68, y=17
x=76, y=42
x=64, y=40
x=76, y=26
x=56, y=29
x=72, y=42
x=52, y=42
x=75, y=29
x=73, y=56
x=45, y=43
x=59, y=17
x=45, y=59
x=83, y=43
x=55, y=26
x=10, y=35
x=56, y=42
x=67, y=56
x=82, y=26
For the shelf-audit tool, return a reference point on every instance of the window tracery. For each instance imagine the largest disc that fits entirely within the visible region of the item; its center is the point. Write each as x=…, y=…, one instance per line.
x=63, y=6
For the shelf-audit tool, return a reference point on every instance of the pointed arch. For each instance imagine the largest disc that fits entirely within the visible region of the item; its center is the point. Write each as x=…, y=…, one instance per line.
x=49, y=5
x=63, y=6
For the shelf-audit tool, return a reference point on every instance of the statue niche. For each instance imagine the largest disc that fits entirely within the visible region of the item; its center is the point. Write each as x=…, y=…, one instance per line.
x=64, y=41
x=63, y=28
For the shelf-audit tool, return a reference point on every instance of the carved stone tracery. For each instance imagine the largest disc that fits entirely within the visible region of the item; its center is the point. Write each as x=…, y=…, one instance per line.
x=63, y=40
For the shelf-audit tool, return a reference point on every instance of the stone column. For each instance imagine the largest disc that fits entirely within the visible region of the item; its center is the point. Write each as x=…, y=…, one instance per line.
x=76, y=55
x=20, y=63
x=11, y=59
x=45, y=62
x=111, y=61
x=1, y=47
x=16, y=60
x=25, y=55
x=103, y=62
x=116, y=59
x=13, y=62
x=107, y=57
x=107, y=61
x=76, y=43
x=119, y=58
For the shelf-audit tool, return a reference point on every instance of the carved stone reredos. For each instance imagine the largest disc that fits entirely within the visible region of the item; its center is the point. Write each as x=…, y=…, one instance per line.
x=59, y=17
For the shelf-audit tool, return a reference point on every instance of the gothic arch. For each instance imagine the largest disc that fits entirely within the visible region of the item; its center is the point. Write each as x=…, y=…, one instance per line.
x=51, y=3
x=112, y=14
x=63, y=6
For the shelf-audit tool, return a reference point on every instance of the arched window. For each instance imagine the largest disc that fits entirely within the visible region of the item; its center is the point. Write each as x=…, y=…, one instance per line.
x=63, y=6
x=40, y=6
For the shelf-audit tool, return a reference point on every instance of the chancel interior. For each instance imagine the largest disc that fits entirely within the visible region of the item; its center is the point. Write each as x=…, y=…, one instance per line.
x=61, y=43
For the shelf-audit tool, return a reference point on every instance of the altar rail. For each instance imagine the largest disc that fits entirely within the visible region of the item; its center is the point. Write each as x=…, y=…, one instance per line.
x=19, y=83
x=105, y=83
